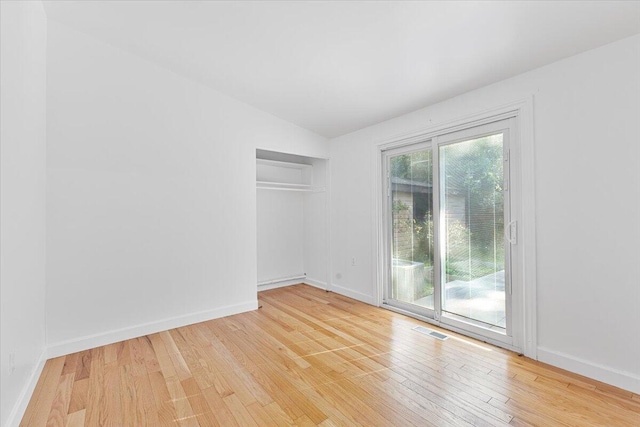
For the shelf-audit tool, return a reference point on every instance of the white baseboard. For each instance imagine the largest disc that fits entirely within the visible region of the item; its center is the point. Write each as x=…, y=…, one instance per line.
x=606, y=374
x=316, y=283
x=110, y=337
x=369, y=299
x=276, y=285
x=280, y=283
x=27, y=391
x=321, y=285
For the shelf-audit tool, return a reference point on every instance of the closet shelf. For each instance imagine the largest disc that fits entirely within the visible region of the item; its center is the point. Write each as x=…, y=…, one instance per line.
x=286, y=186
x=285, y=176
x=281, y=164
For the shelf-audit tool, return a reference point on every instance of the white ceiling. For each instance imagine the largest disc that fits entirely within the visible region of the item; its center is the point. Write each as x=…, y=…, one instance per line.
x=335, y=67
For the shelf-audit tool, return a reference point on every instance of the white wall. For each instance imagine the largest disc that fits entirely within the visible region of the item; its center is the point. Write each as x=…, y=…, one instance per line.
x=151, y=194
x=587, y=122
x=22, y=213
x=280, y=234
x=316, y=227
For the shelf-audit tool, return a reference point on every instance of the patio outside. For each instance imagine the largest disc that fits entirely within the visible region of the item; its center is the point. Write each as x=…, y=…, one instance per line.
x=482, y=299
x=479, y=300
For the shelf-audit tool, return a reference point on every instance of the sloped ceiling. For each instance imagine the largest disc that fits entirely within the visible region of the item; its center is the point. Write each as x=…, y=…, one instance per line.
x=335, y=67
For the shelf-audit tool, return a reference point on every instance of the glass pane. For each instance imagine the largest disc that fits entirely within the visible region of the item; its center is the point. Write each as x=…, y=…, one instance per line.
x=472, y=200
x=411, y=187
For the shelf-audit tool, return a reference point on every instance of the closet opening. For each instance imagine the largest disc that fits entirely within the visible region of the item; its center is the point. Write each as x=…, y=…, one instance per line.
x=292, y=220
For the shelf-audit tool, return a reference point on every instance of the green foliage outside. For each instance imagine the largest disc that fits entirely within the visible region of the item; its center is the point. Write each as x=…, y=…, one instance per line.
x=473, y=170
x=471, y=174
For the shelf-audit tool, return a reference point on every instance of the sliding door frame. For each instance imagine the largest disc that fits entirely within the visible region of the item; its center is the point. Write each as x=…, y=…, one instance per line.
x=511, y=338
x=522, y=210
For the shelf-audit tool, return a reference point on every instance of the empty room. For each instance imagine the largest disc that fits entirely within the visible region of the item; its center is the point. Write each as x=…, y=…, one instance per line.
x=319, y=213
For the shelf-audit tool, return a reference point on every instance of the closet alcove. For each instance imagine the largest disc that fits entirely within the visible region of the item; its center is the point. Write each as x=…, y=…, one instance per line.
x=292, y=220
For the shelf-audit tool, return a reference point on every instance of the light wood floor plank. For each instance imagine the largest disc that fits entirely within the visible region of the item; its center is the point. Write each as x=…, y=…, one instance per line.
x=39, y=406
x=40, y=386
x=166, y=410
x=239, y=411
x=96, y=390
x=220, y=411
x=198, y=403
x=314, y=358
x=184, y=412
x=76, y=419
x=60, y=405
x=79, y=395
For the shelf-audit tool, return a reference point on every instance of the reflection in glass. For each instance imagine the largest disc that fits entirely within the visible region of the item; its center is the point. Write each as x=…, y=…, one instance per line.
x=472, y=215
x=411, y=184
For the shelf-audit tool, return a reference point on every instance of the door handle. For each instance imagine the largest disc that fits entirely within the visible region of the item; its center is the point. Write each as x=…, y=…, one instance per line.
x=511, y=232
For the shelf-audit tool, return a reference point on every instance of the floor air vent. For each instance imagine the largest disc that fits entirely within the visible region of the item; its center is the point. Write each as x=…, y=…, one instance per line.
x=431, y=332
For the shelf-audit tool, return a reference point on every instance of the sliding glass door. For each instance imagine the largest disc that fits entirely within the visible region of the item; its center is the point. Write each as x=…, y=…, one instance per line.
x=473, y=214
x=448, y=206
x=412, y=243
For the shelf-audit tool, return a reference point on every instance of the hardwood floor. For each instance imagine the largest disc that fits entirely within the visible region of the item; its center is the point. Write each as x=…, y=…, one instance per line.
x=312, y=358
